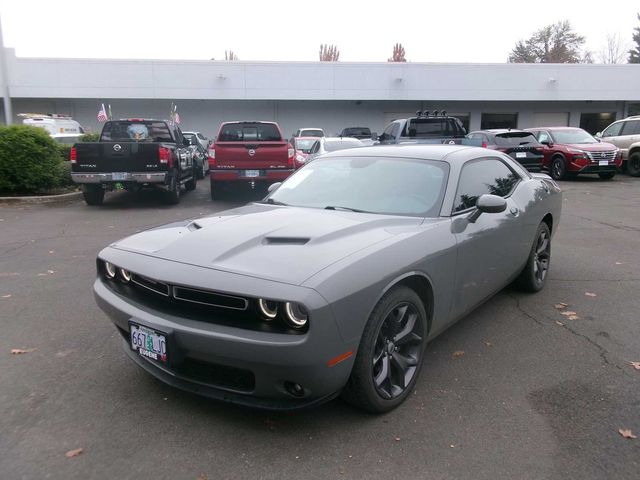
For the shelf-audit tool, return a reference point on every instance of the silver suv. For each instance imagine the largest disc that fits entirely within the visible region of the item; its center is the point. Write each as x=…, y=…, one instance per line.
x=625, y=134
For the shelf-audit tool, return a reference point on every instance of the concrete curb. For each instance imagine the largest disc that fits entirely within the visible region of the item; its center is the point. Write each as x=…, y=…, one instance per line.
x=65, y=197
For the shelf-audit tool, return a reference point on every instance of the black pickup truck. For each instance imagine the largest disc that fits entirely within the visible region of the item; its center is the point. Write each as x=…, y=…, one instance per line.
x=134, y=153
x=426, y=127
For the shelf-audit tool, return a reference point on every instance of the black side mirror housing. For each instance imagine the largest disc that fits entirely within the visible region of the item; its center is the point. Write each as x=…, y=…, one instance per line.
x=487, y=204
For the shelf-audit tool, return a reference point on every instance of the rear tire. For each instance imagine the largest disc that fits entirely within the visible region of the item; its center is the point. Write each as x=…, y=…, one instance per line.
x=633, y=164
x=190, y=185
x=93, y=194
x=534, y=275
x=606, y=175
x=390, y=354
x=558, y=168
x=173, y=193
x=202, y=172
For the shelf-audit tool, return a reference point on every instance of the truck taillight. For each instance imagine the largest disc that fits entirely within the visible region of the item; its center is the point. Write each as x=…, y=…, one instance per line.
x=212, y=158
x=73, y=155
x=164, y=155
x=291, y=155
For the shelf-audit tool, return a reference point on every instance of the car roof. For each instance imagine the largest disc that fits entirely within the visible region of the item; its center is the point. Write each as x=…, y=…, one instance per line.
x=552, y=128
x=339, y=139
x=423, y=152
x=497, y=131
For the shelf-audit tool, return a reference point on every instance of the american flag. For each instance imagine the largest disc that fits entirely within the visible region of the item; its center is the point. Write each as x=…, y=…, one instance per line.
x=102, y=114
x=176, y=118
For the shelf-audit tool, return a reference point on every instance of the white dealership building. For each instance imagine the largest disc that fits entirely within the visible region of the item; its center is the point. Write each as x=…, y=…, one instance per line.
x=331, y=95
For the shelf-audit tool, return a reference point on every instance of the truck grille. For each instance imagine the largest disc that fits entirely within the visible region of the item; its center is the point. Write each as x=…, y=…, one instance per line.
x=610, y=155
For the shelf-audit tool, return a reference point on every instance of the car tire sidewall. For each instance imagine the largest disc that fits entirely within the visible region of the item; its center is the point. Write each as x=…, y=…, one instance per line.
x=360, y=390
x=174, y=189
x=562, y=168
x=633, y=164
x=527, y=280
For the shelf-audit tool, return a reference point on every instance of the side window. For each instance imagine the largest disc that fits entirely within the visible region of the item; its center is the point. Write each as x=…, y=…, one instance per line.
x=386, y=135
x=395, y=133
x=543, y=137
x=316, y=147
x=613, y=130
x=631, y=128
x=480, y=176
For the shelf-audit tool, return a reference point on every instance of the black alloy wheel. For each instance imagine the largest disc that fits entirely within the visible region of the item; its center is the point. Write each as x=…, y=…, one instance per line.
x=534, y=274
x=397, y=351
x=173, y=192
x=558, y=168
x=390, y=353
x=633, y=165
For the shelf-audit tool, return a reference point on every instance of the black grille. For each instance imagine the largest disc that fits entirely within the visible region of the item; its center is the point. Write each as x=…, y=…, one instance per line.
x=213, y=299
x=149, y=284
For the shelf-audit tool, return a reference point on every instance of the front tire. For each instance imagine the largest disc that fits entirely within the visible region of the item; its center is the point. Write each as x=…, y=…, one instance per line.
x=390, y=354
x=633, y=164
x=558, y=169
x=606, y=175
x=93, y=194
x=534, y=275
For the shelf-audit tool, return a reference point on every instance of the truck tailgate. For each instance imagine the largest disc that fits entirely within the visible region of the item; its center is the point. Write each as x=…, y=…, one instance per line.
x=251, y=155
x=118, y=157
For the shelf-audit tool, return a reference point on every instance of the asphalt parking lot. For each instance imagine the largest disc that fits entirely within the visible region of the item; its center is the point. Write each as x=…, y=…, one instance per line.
x=528, y=394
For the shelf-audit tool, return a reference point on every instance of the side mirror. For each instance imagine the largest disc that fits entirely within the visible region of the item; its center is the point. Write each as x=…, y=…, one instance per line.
x=487, y=204
x=374, y=136
x=548, y=143
x=599, y=135
x=273, y=187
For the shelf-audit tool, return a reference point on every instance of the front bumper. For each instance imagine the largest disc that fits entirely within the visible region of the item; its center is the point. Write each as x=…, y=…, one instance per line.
x=268, y=359
x=269, y=175
x=128, y=177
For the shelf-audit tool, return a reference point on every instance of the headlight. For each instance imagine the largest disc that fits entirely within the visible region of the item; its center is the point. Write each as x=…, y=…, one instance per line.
x=268, y=308
x=109, y=269
x=125, y=275
x=296, y=315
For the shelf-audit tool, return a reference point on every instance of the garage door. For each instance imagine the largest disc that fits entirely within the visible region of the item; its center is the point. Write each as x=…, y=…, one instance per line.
x=550, y=119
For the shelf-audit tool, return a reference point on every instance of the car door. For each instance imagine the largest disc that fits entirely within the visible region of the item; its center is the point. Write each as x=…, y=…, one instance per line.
x=184, y=153
x=488, y=250
x=545, y=139
x=612, y=134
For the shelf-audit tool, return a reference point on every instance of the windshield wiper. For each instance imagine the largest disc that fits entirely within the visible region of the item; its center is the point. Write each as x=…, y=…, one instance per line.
x=336, y=207
x=271, y=201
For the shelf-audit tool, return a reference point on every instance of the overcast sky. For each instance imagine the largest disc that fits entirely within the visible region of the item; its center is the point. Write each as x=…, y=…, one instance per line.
x=431, y=31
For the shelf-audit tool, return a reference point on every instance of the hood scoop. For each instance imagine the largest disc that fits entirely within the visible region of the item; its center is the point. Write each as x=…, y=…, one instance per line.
x=193, y=226
x=285, y=240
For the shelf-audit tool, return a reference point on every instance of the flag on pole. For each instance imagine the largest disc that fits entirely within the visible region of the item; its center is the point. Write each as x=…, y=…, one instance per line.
x=110, y=116
x=102, y=114
x=176, y=118
x=174, y=115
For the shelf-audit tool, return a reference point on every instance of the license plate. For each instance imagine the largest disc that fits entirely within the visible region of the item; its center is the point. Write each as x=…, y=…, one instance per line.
x=148, y=343
x=521, y=154
x=252, y=173
x=603, y=162
x=119, y=176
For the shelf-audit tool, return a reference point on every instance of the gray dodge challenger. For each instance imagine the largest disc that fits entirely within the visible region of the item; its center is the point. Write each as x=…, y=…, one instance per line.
x=335, y=282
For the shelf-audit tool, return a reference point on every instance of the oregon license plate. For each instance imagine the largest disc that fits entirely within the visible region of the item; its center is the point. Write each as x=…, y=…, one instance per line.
x=252, y=173
x=603, y=162
x=148, y=343
x=521, y=154
x=119, y=176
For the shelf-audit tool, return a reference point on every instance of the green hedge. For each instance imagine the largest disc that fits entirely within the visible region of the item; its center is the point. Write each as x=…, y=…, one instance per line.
x=90, y=137
x=30, y=160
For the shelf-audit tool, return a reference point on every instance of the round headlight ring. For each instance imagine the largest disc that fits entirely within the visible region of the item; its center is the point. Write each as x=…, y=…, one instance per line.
x=110, y=270
x=125, y=275
x=268, y=308
x=296, y=315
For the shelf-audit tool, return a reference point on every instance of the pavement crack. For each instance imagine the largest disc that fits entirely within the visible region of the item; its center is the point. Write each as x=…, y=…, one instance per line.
x=525, y=313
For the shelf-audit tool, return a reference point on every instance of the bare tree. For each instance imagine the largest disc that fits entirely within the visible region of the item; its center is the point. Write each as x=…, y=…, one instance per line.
x=329, y=53
x=398, y=54
x=556, y=43
x=614, y=51
x=230, y=55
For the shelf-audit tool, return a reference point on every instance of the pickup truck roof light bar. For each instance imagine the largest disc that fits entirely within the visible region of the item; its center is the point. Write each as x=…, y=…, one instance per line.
x=436, y=113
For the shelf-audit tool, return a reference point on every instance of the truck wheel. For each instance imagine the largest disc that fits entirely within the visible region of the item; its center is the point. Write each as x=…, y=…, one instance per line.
x=190, y=185
x=606, y=175
x=202, y=172
x=93, y=194
x=173, y=193
x=633, y=164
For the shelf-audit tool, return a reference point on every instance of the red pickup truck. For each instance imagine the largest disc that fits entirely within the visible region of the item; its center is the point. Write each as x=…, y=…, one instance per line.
x=249, y=152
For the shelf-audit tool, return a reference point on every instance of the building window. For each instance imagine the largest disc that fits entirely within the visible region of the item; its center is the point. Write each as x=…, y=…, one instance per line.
x=596, y=122
x=498, y=120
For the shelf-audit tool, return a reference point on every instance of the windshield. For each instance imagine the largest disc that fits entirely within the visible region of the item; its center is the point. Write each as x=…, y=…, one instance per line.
x=140, y=131
x=304, y=144
x=312, y=133
x=333, y=145
x=572, y=136
x=249, y=132
x=356, y=132
x=513, y=139
x=432, y=128
x=392, y=186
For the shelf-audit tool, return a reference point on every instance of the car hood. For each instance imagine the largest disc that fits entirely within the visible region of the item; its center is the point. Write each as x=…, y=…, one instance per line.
x=591, y=147
x=285, y=244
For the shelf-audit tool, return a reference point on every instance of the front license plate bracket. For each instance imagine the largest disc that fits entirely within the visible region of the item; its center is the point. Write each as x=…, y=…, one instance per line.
x=149, y=343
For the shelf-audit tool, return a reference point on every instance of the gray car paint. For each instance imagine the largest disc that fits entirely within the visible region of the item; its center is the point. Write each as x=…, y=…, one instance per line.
x=339, y=274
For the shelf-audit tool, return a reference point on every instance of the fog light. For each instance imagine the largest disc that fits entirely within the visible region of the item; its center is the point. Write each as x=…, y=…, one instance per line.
x=268, y=308
x=110, y=269
x=294, y=389
x=296, y=315
x=125, y=275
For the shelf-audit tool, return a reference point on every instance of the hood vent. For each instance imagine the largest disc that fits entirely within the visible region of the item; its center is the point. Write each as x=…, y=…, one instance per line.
x=194, y=226
x=285, y=241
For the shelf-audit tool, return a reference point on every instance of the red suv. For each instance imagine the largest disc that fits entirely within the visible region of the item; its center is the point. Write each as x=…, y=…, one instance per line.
x=570, y=151
x=249, y=152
